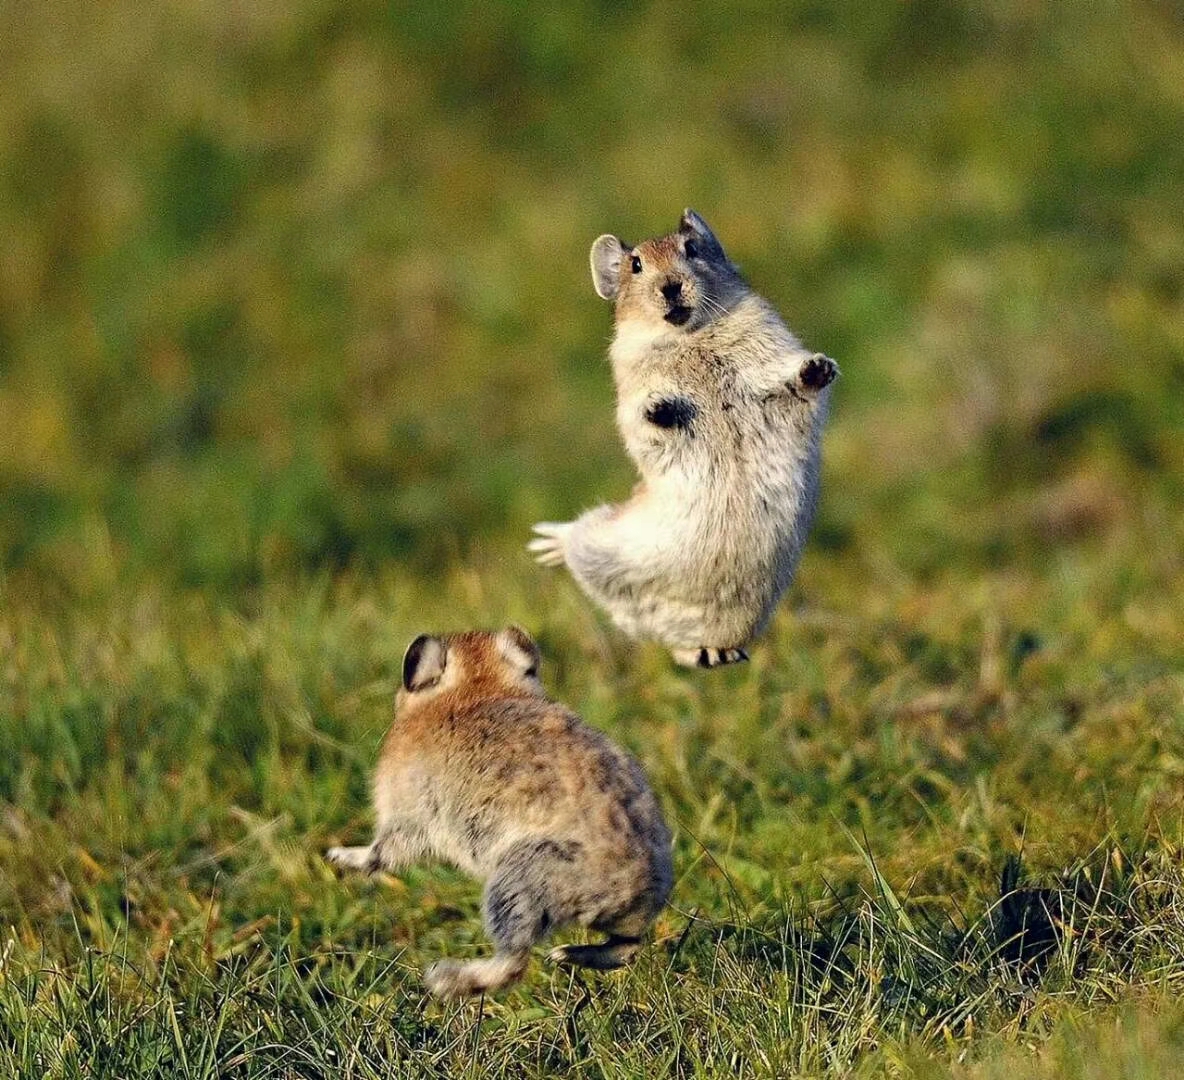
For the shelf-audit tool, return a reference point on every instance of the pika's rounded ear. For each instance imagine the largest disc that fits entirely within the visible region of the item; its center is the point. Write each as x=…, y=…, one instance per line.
x=423, y=662
x=607, y=254
x=692, y=223
x=519, y=650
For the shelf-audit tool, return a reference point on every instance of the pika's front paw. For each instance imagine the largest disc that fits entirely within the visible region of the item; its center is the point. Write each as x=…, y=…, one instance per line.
x=352, y=858
x=817, y=372
x=548, y=546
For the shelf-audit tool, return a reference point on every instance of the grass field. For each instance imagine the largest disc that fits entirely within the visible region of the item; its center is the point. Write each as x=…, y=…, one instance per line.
x=297, y=339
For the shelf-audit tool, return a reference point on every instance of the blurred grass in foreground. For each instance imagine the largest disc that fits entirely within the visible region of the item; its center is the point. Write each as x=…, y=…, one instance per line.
x=297, y=339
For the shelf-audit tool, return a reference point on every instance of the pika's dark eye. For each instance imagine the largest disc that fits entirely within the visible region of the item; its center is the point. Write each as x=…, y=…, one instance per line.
x=532, y=672
x=691, y=249
x=635, y=264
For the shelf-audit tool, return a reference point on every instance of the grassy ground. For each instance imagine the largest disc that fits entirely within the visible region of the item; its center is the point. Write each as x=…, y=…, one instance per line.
x=297, y=339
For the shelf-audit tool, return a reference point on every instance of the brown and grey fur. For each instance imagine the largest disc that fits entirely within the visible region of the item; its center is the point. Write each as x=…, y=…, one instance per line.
x=481, y=769
x=721, y=409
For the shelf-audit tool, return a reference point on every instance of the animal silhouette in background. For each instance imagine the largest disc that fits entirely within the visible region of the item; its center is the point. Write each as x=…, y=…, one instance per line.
x=483, y=770
x=721, y=409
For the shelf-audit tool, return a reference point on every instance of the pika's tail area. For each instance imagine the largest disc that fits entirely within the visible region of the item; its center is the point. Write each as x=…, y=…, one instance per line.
x=455, y=978
x=616, y=952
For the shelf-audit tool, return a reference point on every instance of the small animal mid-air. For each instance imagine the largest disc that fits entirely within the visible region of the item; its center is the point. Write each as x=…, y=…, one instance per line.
x=483, y=770
x=721, y=409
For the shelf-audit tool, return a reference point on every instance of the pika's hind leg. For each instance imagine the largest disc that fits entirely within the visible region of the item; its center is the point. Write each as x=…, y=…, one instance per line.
x=708, y=657
x=616, y=952
x=624, y=929
x=518, y=912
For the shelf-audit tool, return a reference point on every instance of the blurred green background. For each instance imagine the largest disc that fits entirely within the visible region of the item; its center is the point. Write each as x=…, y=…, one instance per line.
x=286, y=287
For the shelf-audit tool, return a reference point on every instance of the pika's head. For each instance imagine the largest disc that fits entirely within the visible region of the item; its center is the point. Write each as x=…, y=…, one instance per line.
x=678, y=282
x=476, y=663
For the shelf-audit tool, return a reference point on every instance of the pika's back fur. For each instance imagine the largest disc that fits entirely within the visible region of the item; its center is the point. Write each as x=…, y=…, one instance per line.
x=483, y=770
x=721, y=408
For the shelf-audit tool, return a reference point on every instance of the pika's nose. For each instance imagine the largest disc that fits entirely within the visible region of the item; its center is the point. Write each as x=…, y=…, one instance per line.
x=672, y=290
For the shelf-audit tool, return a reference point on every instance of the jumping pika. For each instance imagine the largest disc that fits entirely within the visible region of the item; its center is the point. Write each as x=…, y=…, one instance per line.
x=483, y=770
x=721, y=409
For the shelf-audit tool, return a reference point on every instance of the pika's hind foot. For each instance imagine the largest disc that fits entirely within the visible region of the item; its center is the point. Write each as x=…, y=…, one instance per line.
x=455, y=979
x=614, y=953
x=708, y=658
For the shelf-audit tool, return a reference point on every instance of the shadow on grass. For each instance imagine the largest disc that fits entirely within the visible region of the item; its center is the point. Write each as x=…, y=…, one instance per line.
x=1091, y=925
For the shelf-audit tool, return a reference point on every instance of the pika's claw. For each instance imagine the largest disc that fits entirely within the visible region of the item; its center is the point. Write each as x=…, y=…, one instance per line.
x=548, y=546
x=547, y=552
